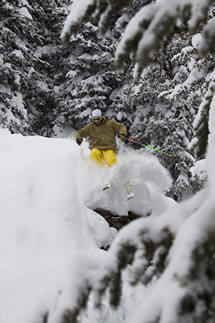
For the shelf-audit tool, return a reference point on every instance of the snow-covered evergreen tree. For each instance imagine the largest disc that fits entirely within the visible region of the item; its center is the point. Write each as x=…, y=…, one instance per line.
x=27, y=62
x=89, y=79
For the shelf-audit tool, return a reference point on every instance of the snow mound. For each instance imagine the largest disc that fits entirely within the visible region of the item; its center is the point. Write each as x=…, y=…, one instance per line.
x=43, y=220
x=48, y=190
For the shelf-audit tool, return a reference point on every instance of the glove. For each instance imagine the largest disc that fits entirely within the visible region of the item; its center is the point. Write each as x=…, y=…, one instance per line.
x=79, y=141
x=122, y=136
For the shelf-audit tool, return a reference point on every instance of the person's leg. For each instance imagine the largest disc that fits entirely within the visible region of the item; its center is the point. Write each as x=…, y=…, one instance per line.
x=97, y=156
x=109, y=157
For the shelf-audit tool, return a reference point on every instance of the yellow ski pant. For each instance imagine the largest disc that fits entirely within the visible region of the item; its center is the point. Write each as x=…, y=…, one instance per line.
x=103, y=157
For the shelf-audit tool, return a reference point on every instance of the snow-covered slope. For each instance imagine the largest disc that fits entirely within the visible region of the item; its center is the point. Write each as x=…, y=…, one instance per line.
x=48, y=191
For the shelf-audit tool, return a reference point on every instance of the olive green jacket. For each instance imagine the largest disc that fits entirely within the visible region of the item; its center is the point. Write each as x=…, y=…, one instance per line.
x=103, y=135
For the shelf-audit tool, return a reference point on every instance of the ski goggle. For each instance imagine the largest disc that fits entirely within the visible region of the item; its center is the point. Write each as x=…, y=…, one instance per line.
x=97, y=119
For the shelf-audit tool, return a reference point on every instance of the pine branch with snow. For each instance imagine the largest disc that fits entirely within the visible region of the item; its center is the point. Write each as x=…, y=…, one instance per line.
x=153, y=25
x=200, y=141
x=81, y=10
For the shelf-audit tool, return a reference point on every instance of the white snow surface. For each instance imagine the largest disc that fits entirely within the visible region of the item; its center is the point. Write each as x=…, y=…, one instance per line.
x=47, y=226
x=24, y=12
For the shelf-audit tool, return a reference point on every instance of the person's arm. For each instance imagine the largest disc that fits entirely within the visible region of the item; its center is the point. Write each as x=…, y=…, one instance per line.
x=82, y=133
x=119, y=128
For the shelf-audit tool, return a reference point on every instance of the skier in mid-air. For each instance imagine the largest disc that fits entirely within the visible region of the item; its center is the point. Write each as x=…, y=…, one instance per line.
x=102, y=132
